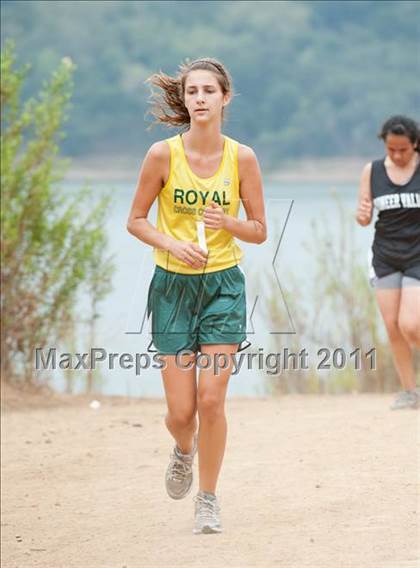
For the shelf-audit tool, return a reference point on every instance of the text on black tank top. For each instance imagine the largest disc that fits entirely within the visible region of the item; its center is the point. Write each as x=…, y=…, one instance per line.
x=397, y=230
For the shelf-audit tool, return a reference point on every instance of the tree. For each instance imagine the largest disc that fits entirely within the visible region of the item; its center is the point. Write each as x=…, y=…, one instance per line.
x=53, y=241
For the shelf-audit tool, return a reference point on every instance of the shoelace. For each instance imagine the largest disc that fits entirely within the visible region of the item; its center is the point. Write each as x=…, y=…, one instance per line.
x=207, y=508
x=179, y=469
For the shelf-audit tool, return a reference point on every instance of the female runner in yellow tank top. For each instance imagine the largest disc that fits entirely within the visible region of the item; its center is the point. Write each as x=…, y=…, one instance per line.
x=197, y=294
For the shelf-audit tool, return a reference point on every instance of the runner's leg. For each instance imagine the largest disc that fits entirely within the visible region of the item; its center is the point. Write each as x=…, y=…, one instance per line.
x=389, y=300
x=181, y=398
x=409, y=315
x=213, y=427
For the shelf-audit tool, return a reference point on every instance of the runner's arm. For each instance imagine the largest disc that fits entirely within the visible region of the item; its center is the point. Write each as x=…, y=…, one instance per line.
x=254, y=229
x=149, y=184
x=365, y=203
x=154, y=171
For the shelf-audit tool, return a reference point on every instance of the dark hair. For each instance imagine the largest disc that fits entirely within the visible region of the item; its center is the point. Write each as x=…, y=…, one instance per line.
x=168, y=104
x=402, y=126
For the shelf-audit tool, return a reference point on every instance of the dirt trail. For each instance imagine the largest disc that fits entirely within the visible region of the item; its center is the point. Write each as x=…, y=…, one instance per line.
x=307, y=482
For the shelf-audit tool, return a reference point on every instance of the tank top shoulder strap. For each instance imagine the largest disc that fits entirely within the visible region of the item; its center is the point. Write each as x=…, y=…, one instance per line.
x=416, y=175
x=232, y=155
x=174, y=145
x=174, y=156
x=378, y=178
x=173, y=141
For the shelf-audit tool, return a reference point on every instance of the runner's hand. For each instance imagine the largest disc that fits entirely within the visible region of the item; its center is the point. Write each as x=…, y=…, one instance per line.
x=214, y=216
x=189, y=253
x=364, y=212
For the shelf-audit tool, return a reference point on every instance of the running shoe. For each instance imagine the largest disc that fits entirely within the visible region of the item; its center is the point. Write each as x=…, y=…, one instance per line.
x=207, y=514
x=406, y=399
x=179, y=474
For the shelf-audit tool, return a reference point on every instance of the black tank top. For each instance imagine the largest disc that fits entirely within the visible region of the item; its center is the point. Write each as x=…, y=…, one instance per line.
x=397, y=230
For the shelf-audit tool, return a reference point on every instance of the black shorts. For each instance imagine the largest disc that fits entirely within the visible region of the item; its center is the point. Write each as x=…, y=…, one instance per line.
x=383, y=268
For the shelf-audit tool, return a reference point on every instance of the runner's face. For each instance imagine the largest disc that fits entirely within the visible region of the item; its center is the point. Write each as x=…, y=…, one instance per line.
x=400, y=149
x=204, y=97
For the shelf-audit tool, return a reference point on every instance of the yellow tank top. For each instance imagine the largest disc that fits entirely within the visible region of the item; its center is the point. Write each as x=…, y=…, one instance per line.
x=182, y=201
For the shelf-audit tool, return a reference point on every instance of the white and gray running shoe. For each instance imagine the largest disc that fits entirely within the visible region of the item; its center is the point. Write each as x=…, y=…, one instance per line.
x=179, y=474
x=207, y=514
x=406, y=399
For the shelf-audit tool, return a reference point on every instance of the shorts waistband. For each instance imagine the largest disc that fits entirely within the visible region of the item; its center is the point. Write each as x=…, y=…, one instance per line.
x=164, y=271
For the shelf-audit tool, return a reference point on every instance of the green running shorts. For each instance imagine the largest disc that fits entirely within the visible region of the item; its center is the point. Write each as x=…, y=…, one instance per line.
x=190, y=310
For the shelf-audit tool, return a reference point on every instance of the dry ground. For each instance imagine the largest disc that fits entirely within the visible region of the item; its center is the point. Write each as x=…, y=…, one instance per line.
x=307, y=482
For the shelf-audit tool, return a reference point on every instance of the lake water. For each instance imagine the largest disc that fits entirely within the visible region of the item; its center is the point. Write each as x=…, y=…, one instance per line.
x=122, y=312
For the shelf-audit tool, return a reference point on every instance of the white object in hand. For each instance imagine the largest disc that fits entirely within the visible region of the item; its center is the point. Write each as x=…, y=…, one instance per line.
x=201, y=233
x=95, y=404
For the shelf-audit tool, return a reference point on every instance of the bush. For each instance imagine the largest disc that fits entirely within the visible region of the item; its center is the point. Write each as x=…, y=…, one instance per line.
x=53, y=242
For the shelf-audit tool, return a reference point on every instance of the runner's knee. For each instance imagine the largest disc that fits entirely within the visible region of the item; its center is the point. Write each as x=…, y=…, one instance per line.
x=410, y=329
x=393, y=329
x=181, y=418
x=210, y=406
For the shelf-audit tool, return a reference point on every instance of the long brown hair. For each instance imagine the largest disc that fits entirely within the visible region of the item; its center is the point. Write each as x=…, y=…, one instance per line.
x=168, y=103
